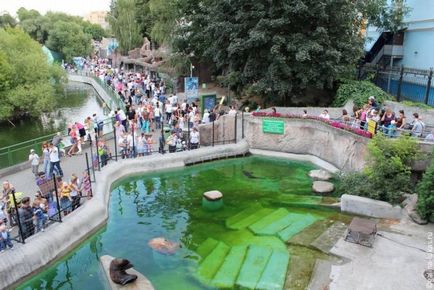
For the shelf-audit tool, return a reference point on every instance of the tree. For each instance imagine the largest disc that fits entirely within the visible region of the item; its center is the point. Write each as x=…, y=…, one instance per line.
x=69, y=39
x=144, y=17
x=26, y=78
x=24, y=14
x=94, y=30
x=279, y=49
x=63, y=33
x=122, y=19
x=6, y=20
x=425, y=191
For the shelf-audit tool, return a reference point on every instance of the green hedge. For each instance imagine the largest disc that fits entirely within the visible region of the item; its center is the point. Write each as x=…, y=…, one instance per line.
x=359, y=92
x=425, y=191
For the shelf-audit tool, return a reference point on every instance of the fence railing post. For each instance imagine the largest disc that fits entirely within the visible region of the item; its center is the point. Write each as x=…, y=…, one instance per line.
x=235, y=127
x=428, y=86
x=59, y=213
x=242, y=125
x=97, y=154
x=91, y=156
x=398, y=94
x=88, y=174
x=213, y=133
x=134, y=143
x=115, y=140
x=20, y=229
x=188, y=133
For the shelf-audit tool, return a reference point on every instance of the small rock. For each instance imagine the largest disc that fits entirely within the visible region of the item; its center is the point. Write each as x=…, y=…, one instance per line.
x=417, y=219
x=323, y=187
x=213, y=195
x=320, y=174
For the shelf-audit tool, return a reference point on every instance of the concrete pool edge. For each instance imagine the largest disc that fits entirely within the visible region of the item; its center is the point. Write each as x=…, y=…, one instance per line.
x=42, y=250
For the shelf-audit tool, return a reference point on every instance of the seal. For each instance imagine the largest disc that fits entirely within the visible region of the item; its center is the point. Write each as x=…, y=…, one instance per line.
x=163, y=246
x=118, y=272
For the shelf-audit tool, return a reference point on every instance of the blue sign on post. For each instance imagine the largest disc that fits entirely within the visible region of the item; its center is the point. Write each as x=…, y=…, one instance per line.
x=191, y=88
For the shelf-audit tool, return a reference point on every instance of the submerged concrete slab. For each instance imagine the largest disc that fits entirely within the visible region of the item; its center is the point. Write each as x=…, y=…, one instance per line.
x=369, y=207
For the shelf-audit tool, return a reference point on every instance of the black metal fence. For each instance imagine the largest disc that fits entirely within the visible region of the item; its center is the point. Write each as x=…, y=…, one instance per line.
x=404, y=83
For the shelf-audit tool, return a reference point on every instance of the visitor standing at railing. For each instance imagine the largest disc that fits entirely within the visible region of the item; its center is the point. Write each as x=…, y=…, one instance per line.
x=5, y=238
x=418, y=126
x=54, y=162
x=34, y=160
x=25, y=213
x=46, y=155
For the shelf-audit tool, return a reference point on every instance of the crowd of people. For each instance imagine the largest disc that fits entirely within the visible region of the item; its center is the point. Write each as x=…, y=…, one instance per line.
x=384, y=120
x=31, y=215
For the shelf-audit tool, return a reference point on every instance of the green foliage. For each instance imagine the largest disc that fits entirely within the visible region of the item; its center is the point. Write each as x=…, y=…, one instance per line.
x=63, y=33
x=425, y=191
x=26, y=78
x=419, y=105
x=122, y=19
x=94, y=30
x=387, y=15
x=388, y=172
x=359, y=92
x=6, y=20
x=144, y=18
x=277, y=50
x=69, y=39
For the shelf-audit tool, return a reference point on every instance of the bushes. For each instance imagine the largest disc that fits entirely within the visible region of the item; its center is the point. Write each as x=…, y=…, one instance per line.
x=425, y=191
x=387, y=175
x=359, y=92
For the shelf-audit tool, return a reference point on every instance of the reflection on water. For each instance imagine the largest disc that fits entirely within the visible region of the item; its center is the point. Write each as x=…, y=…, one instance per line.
x=78, y=102
x=168, y=204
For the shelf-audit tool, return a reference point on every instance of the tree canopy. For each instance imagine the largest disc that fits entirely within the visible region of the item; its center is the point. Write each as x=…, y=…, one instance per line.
x=274, y=49
x=27, y=81
x=123, y=22
x=67, y=34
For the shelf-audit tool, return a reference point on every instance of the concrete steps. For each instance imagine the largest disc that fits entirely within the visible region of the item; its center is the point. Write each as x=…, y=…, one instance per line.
x=251, y=267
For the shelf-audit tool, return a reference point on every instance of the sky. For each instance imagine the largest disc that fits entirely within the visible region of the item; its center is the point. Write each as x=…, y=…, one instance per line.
x=74, y=7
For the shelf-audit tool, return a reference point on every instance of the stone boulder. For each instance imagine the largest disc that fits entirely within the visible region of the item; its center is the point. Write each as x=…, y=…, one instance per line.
x=369, y=207
x=323, y=187
x=320, y=174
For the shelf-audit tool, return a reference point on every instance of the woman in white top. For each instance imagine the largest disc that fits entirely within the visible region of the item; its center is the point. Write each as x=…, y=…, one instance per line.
x=194, y=139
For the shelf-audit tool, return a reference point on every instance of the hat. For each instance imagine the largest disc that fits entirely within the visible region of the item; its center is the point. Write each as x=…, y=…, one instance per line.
x=32, y=150
x=371, y=98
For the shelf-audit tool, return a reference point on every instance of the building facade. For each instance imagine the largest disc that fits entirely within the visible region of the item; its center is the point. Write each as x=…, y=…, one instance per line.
x=98, y=17
x=411, y=48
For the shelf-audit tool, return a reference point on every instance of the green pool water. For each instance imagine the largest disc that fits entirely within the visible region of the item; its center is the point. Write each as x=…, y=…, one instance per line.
x=168, y=204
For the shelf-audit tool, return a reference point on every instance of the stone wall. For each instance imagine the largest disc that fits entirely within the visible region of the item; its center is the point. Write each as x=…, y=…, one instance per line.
x=343, y=149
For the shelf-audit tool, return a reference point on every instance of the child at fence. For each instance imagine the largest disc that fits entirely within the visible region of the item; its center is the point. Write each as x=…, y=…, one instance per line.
x=5, y=238
x=65, y=198
x=3, y=216
x=86, y=189
x=149, y=145
x=75, y=191
x=39, y=213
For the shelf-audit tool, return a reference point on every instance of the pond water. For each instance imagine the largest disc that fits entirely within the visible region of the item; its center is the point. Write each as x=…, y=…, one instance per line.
x=267, y=201
x=78, y=102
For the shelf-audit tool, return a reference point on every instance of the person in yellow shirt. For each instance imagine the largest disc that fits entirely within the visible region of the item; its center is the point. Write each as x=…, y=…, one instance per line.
x=65, y=198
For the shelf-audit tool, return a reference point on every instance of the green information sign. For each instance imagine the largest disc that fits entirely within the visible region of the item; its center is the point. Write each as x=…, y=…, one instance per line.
x=273, y=126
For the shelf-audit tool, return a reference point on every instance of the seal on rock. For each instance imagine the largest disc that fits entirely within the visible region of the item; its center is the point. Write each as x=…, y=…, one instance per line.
x=163, y=246
x=118, y=272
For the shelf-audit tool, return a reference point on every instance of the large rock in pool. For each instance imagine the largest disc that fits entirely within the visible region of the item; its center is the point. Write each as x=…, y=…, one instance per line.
x=323, y=187
x=320, y=174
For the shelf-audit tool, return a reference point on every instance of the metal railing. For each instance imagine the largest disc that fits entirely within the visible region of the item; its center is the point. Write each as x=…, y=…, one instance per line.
x=19, y=153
